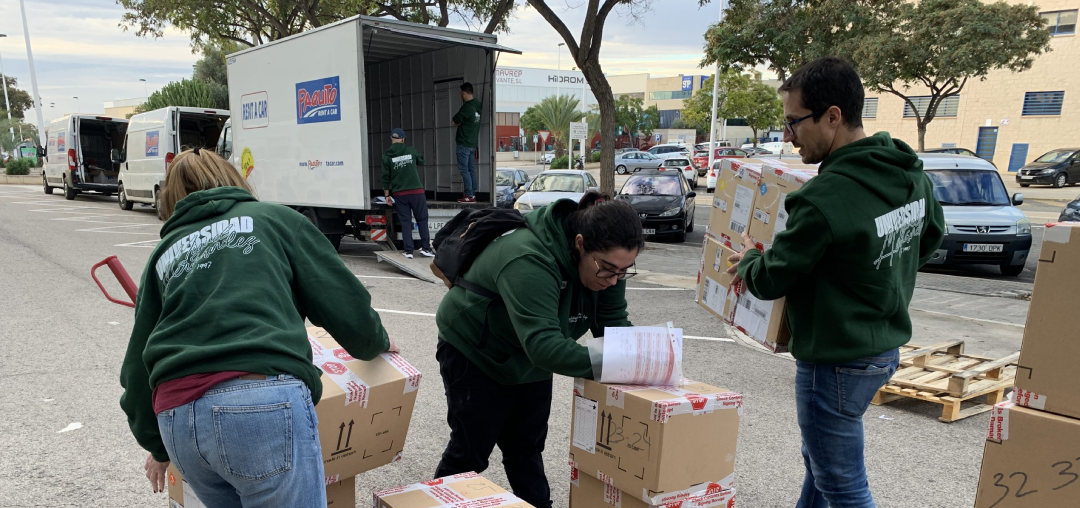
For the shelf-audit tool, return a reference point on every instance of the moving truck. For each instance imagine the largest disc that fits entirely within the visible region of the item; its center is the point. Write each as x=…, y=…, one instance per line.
x=153, y=139
x=313, y=115
x=80, y=152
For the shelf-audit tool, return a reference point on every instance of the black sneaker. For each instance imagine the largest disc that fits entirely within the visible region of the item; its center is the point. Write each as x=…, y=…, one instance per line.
x=408, y=254
x=427, y=253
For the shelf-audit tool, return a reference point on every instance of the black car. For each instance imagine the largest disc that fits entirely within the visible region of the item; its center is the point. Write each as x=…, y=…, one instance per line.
x=1059, y=168
x=1071, y=213
x=509, y=185
x=665, y=203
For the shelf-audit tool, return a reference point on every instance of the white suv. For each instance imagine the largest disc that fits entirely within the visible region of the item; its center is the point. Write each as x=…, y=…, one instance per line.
x=669, y=150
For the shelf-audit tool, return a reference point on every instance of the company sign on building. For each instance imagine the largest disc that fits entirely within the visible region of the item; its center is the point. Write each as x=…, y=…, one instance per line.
x=519, y=76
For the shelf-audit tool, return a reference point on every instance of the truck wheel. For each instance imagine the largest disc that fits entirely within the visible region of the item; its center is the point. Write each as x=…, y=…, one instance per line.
x=1010, y=270
x=121, y=198
x=69, y=191
x=157, y=203
x=45, y=184
x=313, y=218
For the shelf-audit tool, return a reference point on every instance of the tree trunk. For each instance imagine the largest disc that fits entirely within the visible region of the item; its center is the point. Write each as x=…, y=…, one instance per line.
x=602, y=90
x=922, y=135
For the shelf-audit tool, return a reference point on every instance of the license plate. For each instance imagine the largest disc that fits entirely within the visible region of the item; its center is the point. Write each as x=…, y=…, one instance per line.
x=648, y=231
x=1027, y=177
x=435, y=226
x=983, y=247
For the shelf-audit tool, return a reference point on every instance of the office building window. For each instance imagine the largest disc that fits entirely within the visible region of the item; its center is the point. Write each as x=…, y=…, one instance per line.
x=946, y=108
x=1060, y=22
x=1043, y=103
x=632, y=95
x=869, y=108
x=510, y=119
x=660, y=96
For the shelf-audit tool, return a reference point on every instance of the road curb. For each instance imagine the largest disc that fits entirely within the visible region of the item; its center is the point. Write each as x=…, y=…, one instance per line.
x=19, y=179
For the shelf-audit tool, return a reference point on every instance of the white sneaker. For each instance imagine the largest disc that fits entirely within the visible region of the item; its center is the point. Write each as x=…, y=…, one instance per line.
x=427, y=253
x=408, y=255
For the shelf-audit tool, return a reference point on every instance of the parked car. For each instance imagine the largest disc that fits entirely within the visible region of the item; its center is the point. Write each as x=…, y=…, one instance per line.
x=756, y=151
x=712, y=177
x=776, y=147
x=80, y=152
x=683, y=166
x=547, y=157
x=1057, y=167
x=670, y=150
x=632, y=162
x=554, y=185
x=982, y=224
x=509, y=186
x=1071, y=212
x=954, y=151
x=701, y=161
x=664, y=202
x=722, y=153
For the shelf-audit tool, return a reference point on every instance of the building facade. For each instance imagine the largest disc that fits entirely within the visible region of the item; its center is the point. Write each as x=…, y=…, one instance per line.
x=1010, y=118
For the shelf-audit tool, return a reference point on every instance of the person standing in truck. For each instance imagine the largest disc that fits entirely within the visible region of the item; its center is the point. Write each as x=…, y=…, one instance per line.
x=467, y=121
x=403, y=191
x=218, y=363
x=856, y=236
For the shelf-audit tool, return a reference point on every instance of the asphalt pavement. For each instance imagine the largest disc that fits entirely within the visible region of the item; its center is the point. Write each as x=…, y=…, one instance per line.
x=63, y=345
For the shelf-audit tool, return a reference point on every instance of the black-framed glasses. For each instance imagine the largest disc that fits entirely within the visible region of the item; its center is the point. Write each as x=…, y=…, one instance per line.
x=604, y=273
x=790, y=125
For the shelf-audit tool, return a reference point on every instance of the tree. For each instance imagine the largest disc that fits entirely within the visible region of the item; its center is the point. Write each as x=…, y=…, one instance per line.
x=593, y=119
x=186, y=92
x=697, y=110
x=760, y=106
x=941, y=45
x=212, y=68
x=20, y=99
x=633, y=120
x=253, y=22
x=555, y=114
x=29, y=131
x=585, y=50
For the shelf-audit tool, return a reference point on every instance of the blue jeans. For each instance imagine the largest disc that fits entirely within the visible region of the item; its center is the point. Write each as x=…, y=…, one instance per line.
x=249, y=443
x=831, y=400
x=467, y=167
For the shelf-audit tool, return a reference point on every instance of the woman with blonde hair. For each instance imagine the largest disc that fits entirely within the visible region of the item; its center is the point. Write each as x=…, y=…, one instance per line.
x=218, y=376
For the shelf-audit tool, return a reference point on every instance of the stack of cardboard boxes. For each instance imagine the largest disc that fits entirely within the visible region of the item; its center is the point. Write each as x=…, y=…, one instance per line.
x=1032, y=452
x=749, y=195
x=364, y=417
x=645, y=446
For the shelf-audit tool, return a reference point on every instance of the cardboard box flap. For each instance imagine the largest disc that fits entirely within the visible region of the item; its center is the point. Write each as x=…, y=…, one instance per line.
x=465, y=490
x=335, y=362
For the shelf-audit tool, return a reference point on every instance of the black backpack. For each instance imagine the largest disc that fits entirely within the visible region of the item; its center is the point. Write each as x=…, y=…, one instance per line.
x=462, y=239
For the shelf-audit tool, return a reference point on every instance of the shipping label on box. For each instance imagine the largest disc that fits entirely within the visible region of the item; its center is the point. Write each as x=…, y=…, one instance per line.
x=733, y=200
x=770, y=215
x=341, y=494
x=466, y=490
x=587, y=491
x=762, y=320
x=714, y=292
x=1031, y=458
x=654, y=442
x=365, y=409
x=1046, y=374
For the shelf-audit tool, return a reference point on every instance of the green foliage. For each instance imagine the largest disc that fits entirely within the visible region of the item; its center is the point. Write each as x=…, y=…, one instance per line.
x=561, y=162
x=530, y=121
x=697, y=110
x=187, y=92
x=555, y=114
x=18, y=167
x=759, y=105
x=633, y=119
x=212, y=68
x=19, y=99
x=29, y=131
x=595, y=156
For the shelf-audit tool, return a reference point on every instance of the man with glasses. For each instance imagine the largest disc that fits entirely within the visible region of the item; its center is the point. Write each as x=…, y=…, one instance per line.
x=856, y=236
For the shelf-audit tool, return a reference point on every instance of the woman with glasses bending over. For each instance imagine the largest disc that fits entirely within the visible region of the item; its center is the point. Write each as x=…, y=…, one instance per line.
x=559, y=278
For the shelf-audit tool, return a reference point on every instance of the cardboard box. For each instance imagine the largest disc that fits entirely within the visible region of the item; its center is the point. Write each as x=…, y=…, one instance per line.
x=466, y=490
x=763, y=320
x=655, y=443
x=338, y=495
x=770, y=216
x=365, y=408
x=714, y=292
x=1031, y=458
x=1046, y=375
x=589, y=492
x=737, y=184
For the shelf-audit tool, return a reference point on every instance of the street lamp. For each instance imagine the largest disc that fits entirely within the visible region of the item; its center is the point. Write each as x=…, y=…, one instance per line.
x=145, y=92
x=76, y=104
x=33, y=76
x=558, y=75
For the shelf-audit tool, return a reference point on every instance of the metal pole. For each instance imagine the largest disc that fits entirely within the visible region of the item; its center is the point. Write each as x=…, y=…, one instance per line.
x=715, y=99
x=7, y=104
x=33, y=77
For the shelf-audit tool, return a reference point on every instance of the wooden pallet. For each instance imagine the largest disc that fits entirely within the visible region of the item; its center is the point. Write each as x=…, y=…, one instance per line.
x=943, y=374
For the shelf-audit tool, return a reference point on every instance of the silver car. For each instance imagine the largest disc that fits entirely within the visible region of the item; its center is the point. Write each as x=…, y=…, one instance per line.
x=551, y=186
x=632, y=162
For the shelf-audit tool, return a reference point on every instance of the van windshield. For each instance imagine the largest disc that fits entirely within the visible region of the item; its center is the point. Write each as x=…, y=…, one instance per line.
x=965, y=187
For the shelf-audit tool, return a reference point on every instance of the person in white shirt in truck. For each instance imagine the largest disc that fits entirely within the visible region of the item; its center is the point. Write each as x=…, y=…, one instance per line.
x=404, y=191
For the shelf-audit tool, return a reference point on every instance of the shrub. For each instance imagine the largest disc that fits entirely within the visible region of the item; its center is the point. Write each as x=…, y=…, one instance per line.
x=561, y=162
x=18, y=167
x=595, y=157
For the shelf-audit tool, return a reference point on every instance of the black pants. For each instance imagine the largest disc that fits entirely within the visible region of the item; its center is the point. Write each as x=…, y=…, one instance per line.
x=483, y=413
x=406, y=207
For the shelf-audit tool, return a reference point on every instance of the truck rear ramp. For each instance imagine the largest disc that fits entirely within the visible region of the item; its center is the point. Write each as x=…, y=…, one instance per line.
x=419, y=267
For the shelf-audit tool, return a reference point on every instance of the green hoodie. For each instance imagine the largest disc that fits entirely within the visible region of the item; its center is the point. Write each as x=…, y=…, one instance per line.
x=855, y=238
x=468, y=120
x=532, y=332
x=228, y=289
x=399, y=168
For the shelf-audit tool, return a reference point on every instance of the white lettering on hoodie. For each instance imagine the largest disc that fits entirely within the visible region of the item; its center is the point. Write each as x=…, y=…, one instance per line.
x=193, y=252
x=898, y=228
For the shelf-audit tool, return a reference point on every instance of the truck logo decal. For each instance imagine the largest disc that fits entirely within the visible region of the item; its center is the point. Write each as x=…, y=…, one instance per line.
x=60, y=143
x=318, y=101
x=152, y=138
x=255, y=110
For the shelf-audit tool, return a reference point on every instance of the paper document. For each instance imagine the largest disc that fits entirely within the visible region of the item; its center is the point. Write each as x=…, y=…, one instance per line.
x=643, y=355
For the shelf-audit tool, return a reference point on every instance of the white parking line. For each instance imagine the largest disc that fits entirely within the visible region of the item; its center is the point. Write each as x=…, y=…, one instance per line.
x=148, y=244
x=408, y=313
x=387, y=277
x=105, y=229
x=967, y=318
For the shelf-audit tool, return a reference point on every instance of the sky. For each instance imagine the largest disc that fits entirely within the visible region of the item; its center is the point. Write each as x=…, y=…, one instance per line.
x=81, y=51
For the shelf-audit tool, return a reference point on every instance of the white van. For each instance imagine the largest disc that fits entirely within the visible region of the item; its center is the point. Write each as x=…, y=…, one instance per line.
x=79, y=154
x=153, y=139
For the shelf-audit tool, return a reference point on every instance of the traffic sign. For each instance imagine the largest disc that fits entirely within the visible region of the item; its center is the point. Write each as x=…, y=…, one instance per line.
x=578, y=130
x=544, y=135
